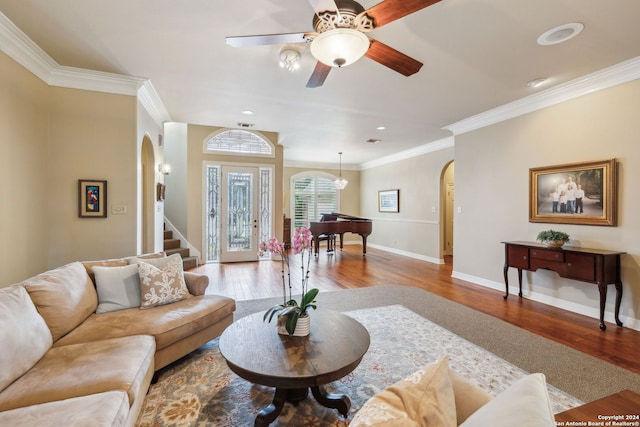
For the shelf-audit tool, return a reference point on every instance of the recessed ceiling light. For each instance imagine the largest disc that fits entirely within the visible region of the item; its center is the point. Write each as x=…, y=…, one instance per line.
x=373, y=140
x=536, y=83
x=247, y=112
x=381, y=127
x=560, y=34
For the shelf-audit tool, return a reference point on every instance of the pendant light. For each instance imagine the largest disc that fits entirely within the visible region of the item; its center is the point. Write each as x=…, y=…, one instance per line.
x=340, y=183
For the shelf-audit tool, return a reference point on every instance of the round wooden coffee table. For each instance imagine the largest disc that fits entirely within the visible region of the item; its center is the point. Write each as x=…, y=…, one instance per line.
x=256, y=352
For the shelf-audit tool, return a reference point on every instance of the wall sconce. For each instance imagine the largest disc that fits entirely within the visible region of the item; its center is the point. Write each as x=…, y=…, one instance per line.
x=164, y=168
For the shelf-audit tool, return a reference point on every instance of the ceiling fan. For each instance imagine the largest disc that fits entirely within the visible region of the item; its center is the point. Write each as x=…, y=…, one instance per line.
x=339, y=38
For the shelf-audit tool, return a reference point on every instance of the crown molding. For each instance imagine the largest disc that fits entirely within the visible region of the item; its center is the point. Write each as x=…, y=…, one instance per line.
x=440, y=144
x=24, y=51
x=608, y=77
x=151, y=102
x=319, y=165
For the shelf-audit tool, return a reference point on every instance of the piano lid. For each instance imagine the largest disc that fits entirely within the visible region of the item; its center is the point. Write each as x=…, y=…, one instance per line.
x=336, y=216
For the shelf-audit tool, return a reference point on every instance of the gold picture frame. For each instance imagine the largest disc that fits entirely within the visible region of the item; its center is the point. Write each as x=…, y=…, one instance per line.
x=574, y=193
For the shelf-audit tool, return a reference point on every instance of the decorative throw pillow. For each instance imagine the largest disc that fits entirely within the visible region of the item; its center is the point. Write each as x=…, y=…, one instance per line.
x=162, y=285
x=525, y=403
x=425, y=398
x=118, y=288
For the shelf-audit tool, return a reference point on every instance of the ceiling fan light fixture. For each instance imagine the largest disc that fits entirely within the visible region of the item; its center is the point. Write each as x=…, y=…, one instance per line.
x=339, y=47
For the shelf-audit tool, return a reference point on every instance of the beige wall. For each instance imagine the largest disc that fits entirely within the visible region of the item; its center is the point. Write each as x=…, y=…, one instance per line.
x=415, y=230
x=492, y=189
x=24, y=179
x=175, y=151
x=51, y=137
x=92, y=135
x=196, y=160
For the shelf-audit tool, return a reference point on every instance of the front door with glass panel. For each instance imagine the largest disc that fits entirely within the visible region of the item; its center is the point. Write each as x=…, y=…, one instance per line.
x=239, y=214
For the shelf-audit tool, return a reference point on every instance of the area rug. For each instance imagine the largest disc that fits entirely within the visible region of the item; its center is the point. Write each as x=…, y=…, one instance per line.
x=200, y=390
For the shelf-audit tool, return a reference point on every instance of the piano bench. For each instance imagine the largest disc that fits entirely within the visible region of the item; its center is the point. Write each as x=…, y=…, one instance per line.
x=331, y=242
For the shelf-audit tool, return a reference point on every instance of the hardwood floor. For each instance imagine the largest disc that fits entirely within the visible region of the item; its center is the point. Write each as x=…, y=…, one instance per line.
x=349, y=269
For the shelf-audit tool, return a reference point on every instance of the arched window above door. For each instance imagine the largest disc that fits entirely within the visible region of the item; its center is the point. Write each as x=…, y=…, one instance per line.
x=239, y=142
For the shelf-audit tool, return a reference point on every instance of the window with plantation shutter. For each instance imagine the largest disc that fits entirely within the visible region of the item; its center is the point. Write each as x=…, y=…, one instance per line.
x=313, y=195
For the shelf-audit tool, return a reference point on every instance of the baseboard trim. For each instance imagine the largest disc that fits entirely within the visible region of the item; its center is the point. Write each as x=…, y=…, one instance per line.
x=593, y=312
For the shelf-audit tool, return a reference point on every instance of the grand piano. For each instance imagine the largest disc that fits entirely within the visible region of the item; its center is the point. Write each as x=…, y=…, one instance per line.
x=337, y=223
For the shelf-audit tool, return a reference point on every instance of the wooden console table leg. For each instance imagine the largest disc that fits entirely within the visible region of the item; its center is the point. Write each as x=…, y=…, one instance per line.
x=331, y=400
x=520, y=282
x=505, y=271
x=618, y=299
x=602, y=287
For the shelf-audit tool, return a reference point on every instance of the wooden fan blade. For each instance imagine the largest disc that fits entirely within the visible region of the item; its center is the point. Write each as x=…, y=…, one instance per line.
x=284, y=38
x=389, y=57
x=320, y=6
x=319, y=75
x=390, y=10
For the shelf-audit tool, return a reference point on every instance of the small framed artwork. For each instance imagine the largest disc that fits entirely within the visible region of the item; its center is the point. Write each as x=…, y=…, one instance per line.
x=389, y=201
x=577, y=193
x=92, y=198
x=161, y=189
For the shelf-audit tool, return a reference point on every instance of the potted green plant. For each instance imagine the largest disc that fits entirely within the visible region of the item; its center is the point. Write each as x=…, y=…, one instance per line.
x=553, y=238
x=290, y=312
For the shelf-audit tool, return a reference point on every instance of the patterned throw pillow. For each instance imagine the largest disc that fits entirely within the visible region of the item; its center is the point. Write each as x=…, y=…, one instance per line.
x=424, y=398
x=162, y=285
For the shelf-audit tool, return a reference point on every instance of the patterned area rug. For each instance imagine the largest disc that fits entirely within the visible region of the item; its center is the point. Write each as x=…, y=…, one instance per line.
x=200, y=390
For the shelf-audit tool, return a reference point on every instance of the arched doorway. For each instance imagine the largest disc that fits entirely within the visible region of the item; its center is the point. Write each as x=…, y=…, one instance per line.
x=148, y=195
x=447, y=190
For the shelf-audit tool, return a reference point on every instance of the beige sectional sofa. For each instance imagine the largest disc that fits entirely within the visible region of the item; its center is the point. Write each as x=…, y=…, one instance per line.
x=64, y=364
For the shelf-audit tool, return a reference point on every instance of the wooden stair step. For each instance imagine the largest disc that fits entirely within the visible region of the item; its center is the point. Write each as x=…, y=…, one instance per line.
x=171, y=244
x=168, y=235
x=189, y=262
x=184, y=252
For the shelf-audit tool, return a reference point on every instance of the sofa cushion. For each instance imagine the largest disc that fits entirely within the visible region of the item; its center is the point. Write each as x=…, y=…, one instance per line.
x=106, y=409
x=425, y=398
x=24, y=335
x=118, y=287
x=525, y=403
x=64, y=297
x=81, y=369
x=167, y=323
x=164, y=284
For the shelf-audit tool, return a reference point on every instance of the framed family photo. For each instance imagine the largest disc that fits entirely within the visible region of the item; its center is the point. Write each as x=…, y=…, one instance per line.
x=576, y=193
x=92, y=198
x=389, y=201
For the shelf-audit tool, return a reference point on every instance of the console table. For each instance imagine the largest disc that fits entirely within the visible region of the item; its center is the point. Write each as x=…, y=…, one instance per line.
x=595, y=266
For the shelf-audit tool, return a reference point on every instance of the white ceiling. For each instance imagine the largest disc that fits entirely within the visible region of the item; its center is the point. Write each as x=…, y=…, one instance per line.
x=477, y=55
